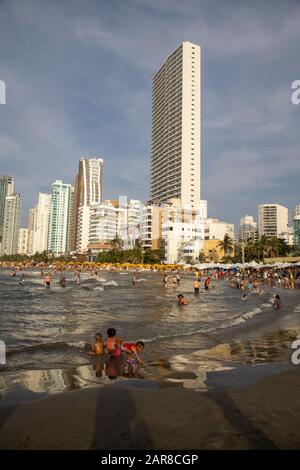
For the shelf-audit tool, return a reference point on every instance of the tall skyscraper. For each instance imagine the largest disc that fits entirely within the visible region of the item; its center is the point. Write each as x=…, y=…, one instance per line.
x=176, y=128
x=41, y=223
x=31, y=228
x=11, y=225
x=6, y=189
x=272, y=220
x=60, y=218
x=88, y=192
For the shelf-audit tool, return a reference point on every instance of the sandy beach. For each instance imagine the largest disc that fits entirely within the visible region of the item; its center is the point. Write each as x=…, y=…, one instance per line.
x=265, y=415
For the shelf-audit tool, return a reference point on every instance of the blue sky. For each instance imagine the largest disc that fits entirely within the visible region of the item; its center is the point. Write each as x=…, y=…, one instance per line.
x=78, y=77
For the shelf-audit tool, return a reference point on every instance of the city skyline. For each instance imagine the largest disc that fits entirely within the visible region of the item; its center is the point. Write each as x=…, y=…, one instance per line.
x=250, y=147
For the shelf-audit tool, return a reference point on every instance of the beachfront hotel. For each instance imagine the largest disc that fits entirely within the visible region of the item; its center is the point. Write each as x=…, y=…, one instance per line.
x=176, y=124
x=87, y=192
x=60, y=218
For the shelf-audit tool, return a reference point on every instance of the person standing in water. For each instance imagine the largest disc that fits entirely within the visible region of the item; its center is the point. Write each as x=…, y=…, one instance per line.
x=277, y=302
x=134, y=278
x=47, y=280
x=97, y=348
x=197, y=286
x=207, y=283
x=113, y=343
x=165, y=280
x=62, y=280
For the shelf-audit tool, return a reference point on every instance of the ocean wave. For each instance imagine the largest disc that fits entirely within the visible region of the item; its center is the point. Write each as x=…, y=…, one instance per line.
x=237, y=320
x=111, y=283
x=57, y=346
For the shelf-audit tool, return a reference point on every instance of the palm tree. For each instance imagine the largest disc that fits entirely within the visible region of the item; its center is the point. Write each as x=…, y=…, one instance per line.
x=117, y=243
x=272, y=247
x=226, y=245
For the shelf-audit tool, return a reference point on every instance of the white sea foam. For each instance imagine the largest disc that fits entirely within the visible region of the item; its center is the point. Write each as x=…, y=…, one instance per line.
x=111, y=283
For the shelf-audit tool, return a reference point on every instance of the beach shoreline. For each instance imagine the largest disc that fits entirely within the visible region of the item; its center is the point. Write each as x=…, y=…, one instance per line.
x=264, y=415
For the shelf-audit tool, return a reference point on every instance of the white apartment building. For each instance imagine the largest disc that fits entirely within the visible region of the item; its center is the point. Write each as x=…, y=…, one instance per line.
x=176, y=126
x=104, y=225
x=130, y=225
x=179, y=231
x=60, y=218
x=115, y=218
x=182, y=232
x=216, y=229
x=23, y=241
x=288, y=236
x=248, y=228
x=11, y=225
x=31, y=225
x=41, y=224
x=272, y=220
x=88, y=192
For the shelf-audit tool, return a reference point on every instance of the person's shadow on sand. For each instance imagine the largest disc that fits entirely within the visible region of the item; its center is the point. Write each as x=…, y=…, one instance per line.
x=117, y=425
x=254, y=436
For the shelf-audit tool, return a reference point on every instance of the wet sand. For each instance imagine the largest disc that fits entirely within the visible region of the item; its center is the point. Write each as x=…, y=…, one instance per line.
x=265, y=415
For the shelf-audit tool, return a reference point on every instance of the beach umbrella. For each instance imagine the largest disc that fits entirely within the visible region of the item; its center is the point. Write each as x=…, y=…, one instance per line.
x=253, y=264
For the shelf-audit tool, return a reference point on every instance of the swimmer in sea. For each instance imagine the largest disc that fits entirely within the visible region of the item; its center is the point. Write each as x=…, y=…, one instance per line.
x=113, y=343
x=97, y=348
x=165, y=280
x=245, y=296
x=182, y=300
x=277, y=302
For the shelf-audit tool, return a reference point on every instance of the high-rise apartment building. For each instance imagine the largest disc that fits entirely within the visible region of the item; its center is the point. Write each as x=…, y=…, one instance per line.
x=88, y=192
x=31, y=228
x=272, y=220
x=11, y=225
x=41, y=223
x=6, y=189
x=23, y=241
x=176, y=128
x=59, y=236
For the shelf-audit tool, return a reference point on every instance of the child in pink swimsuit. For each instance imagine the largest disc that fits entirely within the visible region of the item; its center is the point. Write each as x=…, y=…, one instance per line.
x=113, y=343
